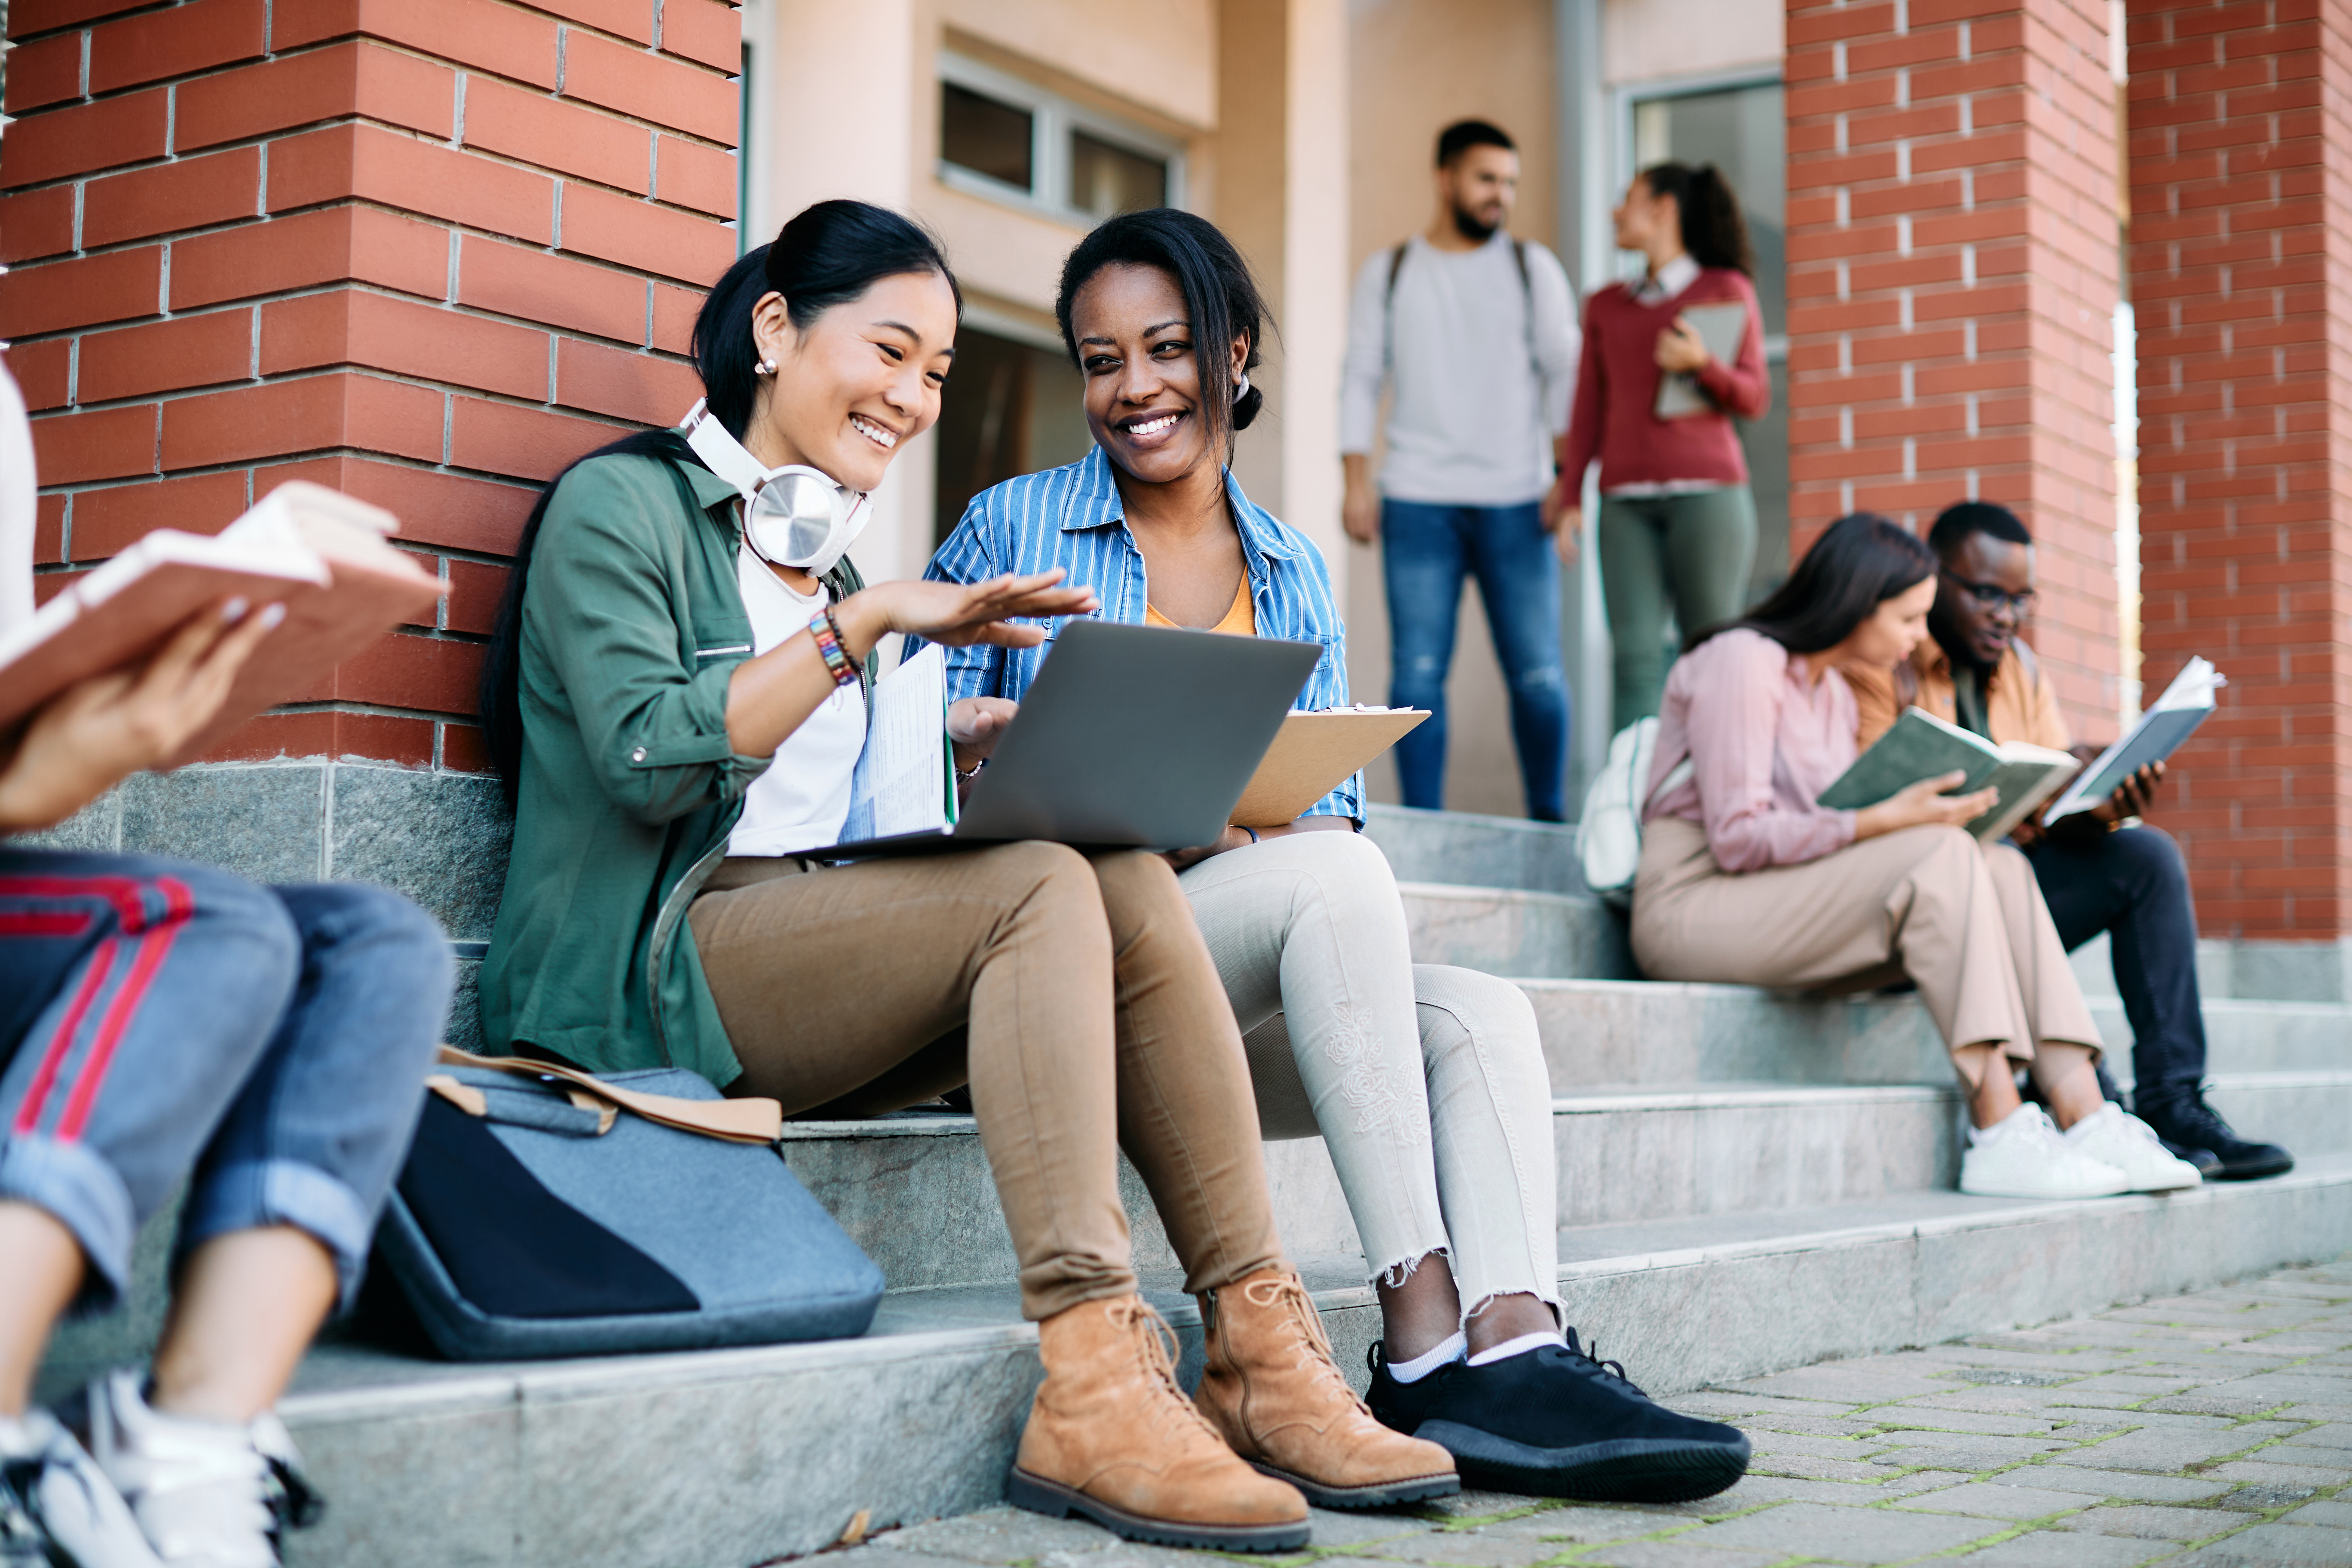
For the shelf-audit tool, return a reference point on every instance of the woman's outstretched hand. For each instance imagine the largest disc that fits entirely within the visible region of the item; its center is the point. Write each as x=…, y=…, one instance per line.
x=100, y=731
x=959, y=614
x=1924, y=805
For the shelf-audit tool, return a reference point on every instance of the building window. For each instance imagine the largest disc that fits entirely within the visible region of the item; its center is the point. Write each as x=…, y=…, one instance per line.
x=1017, y=406
x=979, y=134
x=1009, y=141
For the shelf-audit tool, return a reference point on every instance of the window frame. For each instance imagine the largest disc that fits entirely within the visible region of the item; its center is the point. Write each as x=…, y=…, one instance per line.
x=1052, y=119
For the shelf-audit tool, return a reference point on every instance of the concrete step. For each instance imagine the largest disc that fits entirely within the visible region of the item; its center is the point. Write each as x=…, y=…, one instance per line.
x=728, y=1459
x=1476, y=852
x=1513, y=930
x=2250, y=1036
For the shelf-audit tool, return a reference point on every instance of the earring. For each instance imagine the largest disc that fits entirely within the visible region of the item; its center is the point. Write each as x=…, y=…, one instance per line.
x=767, y=367
x=1242, y=390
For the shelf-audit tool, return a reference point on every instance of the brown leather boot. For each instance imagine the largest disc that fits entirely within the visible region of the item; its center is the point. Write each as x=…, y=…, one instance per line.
x=1112, y=1437
x=1272, y=1390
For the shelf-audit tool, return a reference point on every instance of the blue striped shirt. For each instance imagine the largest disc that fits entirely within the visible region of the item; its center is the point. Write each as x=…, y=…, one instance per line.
x=1071, y=517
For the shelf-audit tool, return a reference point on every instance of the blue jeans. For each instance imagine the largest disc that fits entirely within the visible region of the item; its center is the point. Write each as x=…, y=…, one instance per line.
x=159, y=1018
x=2131, y=884
x=1426, y=551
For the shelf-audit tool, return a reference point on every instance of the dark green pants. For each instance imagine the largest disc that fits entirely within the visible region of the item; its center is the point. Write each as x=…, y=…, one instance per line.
x=1689, y=555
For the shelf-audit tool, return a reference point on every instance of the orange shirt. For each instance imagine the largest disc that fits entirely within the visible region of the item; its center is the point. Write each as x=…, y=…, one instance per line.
x=2018, y=706
x=1240, y=619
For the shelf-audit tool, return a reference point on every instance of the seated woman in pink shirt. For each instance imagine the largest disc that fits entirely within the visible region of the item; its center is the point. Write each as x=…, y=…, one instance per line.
x=1744, y=879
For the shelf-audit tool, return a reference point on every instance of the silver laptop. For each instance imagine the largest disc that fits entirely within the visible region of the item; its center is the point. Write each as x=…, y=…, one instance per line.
x=1138, y=737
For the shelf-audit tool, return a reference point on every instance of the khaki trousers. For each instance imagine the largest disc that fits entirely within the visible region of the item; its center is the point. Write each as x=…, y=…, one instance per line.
x=1966, y=922
x=1071, y=992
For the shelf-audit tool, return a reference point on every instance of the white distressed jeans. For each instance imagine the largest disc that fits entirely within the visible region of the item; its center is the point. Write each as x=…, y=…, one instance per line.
x=1426, y=1082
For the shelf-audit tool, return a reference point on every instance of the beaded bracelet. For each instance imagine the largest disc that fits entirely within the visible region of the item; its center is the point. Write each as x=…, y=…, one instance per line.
x=827, y=633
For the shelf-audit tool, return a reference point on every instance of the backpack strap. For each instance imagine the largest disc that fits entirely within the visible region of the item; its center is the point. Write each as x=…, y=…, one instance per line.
x=1388, y=306
x=744, y=1121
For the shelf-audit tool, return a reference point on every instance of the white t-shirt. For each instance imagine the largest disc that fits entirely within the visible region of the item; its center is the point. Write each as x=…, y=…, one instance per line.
x=802, y=800
x=1478, y=389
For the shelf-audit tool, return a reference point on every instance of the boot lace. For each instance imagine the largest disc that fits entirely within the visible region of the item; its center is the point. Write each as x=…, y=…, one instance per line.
x=1155, y=1351
x=1310, y=1346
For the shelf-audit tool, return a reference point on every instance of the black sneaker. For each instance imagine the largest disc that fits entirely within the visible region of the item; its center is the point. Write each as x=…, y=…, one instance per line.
x=1555, y=1421
x=1400, y=1406
x=2186, y=1119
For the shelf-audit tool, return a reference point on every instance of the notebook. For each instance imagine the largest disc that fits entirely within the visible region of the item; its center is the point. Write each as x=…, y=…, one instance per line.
x=1720, y=326
x=320, y=552
x=1922, y=746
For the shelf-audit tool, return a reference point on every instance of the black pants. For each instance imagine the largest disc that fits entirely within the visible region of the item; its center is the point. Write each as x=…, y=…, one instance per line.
x=2132, y=883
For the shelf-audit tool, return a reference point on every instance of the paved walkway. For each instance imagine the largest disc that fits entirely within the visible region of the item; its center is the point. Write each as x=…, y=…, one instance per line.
x=2211, y=1430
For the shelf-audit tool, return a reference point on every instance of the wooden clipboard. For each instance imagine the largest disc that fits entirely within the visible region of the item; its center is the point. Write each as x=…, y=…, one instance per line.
x=1311, y=754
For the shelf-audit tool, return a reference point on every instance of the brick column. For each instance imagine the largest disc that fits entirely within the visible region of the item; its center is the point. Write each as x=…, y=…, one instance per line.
x=2241, y=277
x=1952, y=274
x=422, y=250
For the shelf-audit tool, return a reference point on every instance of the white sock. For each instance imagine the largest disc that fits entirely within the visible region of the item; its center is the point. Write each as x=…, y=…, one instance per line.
x=1519, y=1346
x=1421, y=1366
x=1980, y=1136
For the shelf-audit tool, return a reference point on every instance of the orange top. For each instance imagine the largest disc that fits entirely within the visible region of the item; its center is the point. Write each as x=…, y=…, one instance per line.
x=1241, y=620
x=2020, y=702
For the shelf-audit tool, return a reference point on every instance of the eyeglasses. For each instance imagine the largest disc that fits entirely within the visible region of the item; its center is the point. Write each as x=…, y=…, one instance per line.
x=1993, y=596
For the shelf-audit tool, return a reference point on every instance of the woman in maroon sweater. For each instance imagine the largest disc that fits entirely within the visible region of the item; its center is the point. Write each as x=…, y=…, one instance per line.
x=1677, y=526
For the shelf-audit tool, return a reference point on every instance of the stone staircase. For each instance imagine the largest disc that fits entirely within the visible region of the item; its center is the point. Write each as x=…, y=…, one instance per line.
x=1748, y=1183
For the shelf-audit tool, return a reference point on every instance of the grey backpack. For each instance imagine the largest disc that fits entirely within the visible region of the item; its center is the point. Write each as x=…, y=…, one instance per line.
x=544, y=1212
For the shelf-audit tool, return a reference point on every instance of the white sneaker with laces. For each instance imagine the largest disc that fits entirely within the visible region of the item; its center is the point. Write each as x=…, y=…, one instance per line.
x=208, y=1494
x=2024, y=1155
x=56, y=1505
x=2113, y=1136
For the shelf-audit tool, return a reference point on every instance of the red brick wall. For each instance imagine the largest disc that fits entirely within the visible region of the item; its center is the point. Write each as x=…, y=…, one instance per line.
x=422, y=250
x=1952, y=274
x=2242, y=277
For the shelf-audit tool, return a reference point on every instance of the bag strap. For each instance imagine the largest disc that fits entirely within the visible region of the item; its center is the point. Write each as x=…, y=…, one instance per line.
x=748, y=1120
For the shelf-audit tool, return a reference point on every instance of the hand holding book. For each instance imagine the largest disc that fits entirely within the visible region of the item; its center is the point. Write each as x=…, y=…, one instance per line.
x=102, y=729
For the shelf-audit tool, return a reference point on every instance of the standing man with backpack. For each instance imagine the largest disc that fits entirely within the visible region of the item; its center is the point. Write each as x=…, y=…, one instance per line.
x=1474, y=332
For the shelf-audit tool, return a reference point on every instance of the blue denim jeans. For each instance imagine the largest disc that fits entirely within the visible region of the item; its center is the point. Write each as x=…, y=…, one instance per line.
x=1425, y=553
x=161, y=1020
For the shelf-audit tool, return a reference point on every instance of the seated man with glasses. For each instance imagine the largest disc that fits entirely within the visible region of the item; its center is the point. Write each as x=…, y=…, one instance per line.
x=2098, y=870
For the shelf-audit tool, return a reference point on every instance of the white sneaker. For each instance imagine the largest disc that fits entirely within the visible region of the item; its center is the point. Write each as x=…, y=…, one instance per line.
x=2115, y=1137
x=208, y=1494
x=56, y=1505
x=2024, y=1155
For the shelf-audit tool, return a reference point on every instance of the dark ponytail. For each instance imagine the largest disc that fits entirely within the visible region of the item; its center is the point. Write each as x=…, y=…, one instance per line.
x=1859, y=563
x=1220, y=297
x=1714, y=232
x=828, y=255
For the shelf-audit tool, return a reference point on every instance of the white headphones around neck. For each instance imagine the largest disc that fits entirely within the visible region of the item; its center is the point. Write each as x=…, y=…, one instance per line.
x=794, y=516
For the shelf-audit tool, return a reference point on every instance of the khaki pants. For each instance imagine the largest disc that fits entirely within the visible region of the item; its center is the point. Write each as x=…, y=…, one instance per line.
x=1096, y=1023
x=1966, y=922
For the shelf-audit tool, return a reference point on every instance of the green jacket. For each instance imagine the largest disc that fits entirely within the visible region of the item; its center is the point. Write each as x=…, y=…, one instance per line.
x=632, y=626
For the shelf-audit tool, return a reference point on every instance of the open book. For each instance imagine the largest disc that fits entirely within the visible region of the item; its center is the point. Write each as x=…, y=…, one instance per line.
x=320, y=552
x=1922, y=746
x=1312, y=753
x=2186, y=703
x=905, y=780
x=1720, y=324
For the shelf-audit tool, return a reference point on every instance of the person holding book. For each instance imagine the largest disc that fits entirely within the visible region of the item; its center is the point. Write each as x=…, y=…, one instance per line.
x=1427, y=1083
x=164, y=1026
x=1677, y=526
x=1473, y=330
x=1744, y=879
x=2099, y=870
x=675, y=699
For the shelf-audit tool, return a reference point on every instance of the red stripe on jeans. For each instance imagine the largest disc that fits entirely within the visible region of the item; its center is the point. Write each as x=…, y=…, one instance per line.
x=101, y=961
x=123, y=893
x=60, y=922
x=178, y=905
